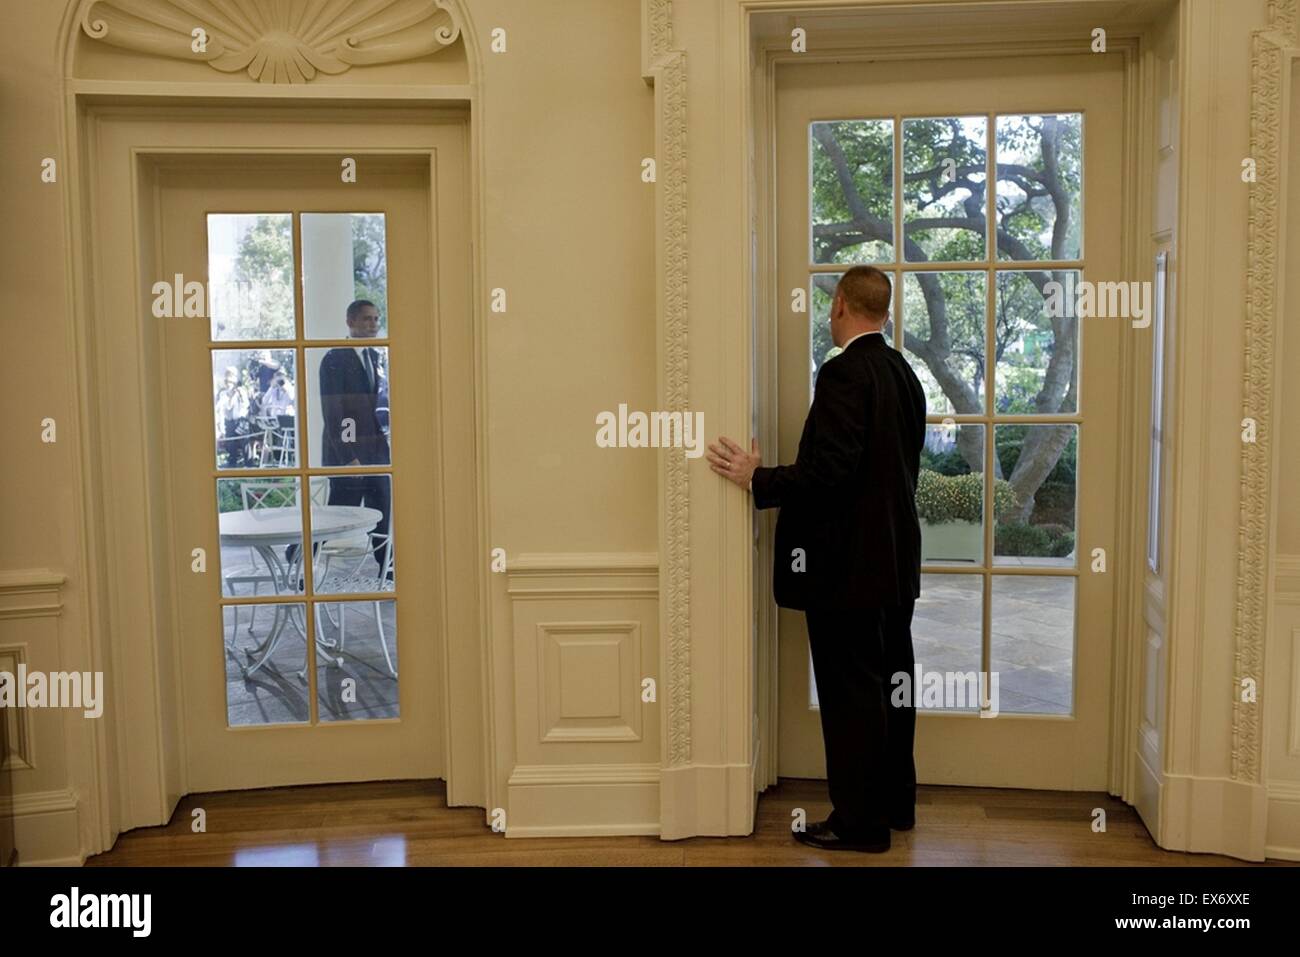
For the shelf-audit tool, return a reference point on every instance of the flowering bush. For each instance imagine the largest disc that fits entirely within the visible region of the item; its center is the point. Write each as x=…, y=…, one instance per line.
x=958, y=498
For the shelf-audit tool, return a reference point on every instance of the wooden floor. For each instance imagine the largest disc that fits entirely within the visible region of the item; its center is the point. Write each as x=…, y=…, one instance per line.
x=408, y=823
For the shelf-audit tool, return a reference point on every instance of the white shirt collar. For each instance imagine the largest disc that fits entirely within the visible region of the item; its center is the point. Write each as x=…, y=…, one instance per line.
x=874, y=332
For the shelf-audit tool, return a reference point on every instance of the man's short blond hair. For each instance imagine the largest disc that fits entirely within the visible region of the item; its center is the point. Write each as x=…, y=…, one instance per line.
x=867, y=291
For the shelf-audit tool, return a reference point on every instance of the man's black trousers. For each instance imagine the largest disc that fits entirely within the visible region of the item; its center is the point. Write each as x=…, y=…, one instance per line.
x=372, y=491
x=869, y=764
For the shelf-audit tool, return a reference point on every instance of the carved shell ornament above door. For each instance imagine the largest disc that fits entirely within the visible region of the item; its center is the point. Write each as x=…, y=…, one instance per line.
x=276, y=41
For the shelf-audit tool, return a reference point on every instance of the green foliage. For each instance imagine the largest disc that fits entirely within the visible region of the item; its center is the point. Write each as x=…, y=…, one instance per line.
x=1024, y=140
x=264, y=267
x=943, y=165
x=370, y=259
x=230, y=498
x=1021, y=540
x=945, y=463
x=868, y=149
x=1017, y=539
x=958, y=498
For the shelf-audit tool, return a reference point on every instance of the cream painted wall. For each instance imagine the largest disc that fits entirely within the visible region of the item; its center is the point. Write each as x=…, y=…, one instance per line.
x=39, y=515
x=1288, y=372
x=36, y=512
x=569, y=237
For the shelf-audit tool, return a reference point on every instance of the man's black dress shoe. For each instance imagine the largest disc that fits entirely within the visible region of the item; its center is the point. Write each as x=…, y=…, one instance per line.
x=821, y=835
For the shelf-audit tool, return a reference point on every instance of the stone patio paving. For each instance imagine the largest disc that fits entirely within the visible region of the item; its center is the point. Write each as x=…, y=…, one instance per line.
x=1032, y=637
x=277, y=693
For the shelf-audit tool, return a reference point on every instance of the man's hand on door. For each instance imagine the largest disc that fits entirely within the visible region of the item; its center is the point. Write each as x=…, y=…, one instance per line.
x=732, y=462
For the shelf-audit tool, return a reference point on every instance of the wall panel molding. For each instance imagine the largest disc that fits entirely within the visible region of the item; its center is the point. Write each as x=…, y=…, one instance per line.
x=587, y=746
x=589, y=681
x=31, y=593
x=46, y=826
x=1282, y=841
x=19, y=752
x=1286, y=579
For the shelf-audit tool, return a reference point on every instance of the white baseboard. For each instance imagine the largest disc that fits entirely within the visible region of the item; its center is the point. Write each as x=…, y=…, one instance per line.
x=713, y=800
x=1214, y=816
x=1282, y=840
x=588, y=800
x=1147, y=791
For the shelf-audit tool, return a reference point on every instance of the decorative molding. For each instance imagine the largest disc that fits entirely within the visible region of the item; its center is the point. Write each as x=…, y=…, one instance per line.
x=561, y=564
x=541, y=775
x=39, y=802
x=1286, y=579
x=279, y=42
x=31, y=593
x=19, y=750
x=577, y=645
x=665, y=68
x=1271, y=49
x=544, y=576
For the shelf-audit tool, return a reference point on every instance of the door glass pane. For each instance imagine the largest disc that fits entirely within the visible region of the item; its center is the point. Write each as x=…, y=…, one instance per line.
x=344, y=261
x=823, y=294
x=260, y=527
x=950, y=495
x=1040, y=186
x=1033, y=643
x=255, y=406
x=266, y=655
x=1038, y=526
x=943, y=338
x=1037, y=342
x=356, y=678
x=944, y=174
x=347, y=406
x=946, y=631
x=250, y=276
x=852, y=199
x=351, y=528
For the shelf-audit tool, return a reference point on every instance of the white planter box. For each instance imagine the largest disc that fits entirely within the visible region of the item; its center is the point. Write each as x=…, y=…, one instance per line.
x=952, y=542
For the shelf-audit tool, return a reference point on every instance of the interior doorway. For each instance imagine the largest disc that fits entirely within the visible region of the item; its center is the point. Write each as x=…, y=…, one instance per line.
x=157, y=466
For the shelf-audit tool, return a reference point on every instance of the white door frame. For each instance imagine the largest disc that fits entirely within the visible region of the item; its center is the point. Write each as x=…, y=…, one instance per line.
x=770, y=305
x=125, y=768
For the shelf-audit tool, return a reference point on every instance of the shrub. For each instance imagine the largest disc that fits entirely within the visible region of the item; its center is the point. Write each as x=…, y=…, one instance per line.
x=1062, y=545
x=958, y=498
x=1020, y=540
x=1017, y=539
x=945, y=463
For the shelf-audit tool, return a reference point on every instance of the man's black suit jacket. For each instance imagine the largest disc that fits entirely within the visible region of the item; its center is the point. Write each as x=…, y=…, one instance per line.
x=849, y=500
x=346, y=393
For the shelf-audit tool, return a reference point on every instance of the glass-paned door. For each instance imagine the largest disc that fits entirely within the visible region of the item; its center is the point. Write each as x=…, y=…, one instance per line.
x=890, y=164
x=300, y=424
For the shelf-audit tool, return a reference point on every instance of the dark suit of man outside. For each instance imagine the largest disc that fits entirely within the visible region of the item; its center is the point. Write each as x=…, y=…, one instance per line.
x=353, y=434
x=848, y=554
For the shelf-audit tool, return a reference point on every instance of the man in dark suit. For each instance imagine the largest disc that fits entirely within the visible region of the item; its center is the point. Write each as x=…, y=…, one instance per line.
x=848, y=554
x=350, y=386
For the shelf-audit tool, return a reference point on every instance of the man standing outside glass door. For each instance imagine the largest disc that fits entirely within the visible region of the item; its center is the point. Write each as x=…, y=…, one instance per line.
x=351, y=383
